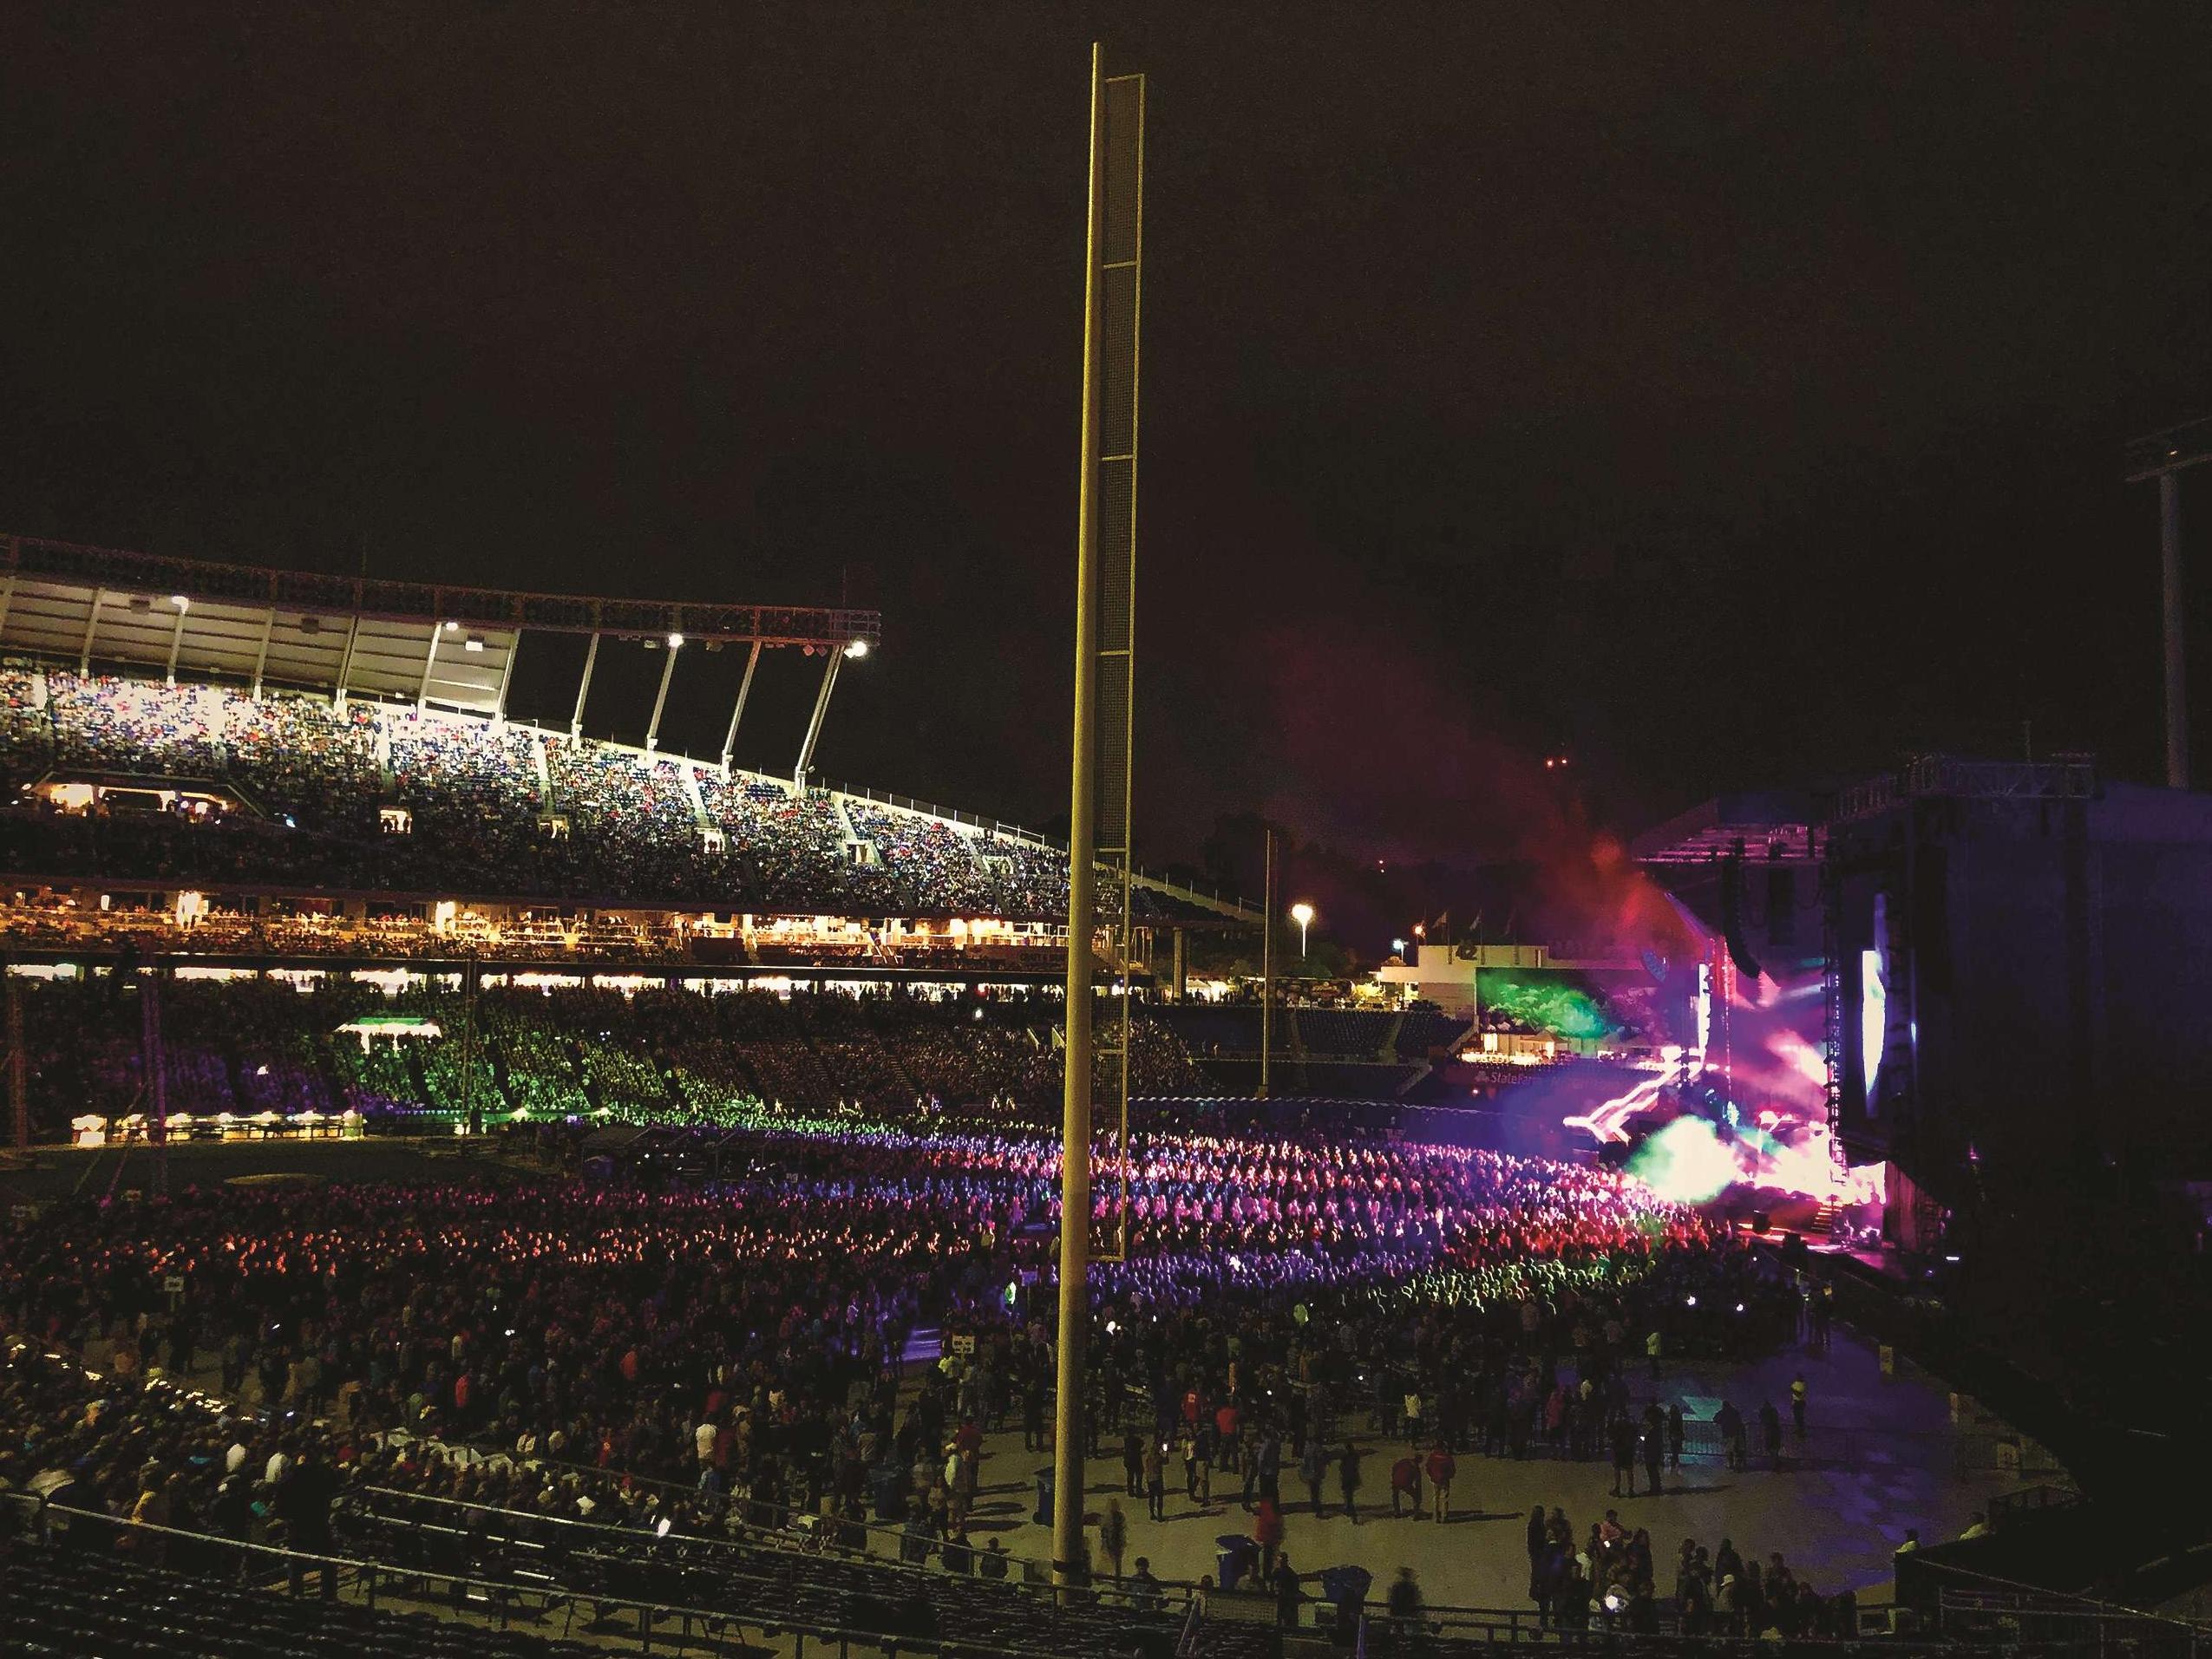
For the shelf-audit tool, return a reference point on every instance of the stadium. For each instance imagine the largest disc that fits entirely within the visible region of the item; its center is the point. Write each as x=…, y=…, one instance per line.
x=478, y=1186
x=650, y=1167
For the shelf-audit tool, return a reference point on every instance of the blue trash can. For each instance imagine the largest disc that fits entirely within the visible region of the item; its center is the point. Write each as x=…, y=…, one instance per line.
x=1346, y=1587
x=1233, y=1557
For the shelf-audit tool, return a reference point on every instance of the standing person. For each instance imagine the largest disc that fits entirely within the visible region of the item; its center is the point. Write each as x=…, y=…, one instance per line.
x=1132, y=1460
x=1539, y=1541
x=1114, y=1535
x=1654, y=1447
x=1189, y=1447
x=1405, y=1609
x=1442, y=1467
x=1155, y=1481
x=1313, y=1469
x=1624, y=1456
x=1652, y=1343
x=1771, y=1427
x=1268, y=1533
x=1288, y=1593
x=1677, y=1431
x=1226, y=1422
x=1797, y=1403
x=1348, y=1480
x=1729, y=1423
x=303, y=1499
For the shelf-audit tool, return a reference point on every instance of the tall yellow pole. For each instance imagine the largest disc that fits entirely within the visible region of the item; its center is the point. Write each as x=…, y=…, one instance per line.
x=1070, y=1560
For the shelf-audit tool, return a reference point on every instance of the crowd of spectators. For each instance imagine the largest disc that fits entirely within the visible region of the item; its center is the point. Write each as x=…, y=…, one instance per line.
x=492, y=810
x=1608, y=1579
x=247, y=1045
x=608, y=1323
x=724, y=1358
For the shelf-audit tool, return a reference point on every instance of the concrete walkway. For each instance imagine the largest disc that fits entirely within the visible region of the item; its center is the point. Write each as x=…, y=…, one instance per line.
x=1836, y=1517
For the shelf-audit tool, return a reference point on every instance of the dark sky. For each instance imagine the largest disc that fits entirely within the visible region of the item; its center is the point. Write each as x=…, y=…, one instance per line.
x=1723, y=398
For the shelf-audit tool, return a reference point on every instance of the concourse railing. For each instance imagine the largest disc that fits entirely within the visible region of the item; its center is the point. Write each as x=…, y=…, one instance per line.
x=542, y=1608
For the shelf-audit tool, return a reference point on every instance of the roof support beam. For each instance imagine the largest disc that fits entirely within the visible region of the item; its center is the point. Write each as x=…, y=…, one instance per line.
x=176, y=640
x=261, y=653
x=345, y=663
x=744, y=690
x=429, y=662
x=667, y=673
x=91, y=626
x=814, y=726
x=6, y=595
x=507, y=676
x=583, y=689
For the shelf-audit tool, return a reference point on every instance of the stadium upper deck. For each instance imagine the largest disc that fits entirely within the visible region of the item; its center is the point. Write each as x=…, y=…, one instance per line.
x=370, y=785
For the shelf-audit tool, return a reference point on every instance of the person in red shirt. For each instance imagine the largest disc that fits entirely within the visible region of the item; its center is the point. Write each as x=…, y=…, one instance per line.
x=1405, y=1483
x=1442, y=1467
x=1268, y=1533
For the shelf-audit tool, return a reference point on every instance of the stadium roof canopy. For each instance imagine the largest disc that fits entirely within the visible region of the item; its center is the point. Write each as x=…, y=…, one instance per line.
x=415, y=640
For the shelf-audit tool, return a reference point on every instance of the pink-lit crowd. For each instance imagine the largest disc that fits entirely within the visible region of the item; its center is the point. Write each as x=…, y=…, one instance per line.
x=728, y=1354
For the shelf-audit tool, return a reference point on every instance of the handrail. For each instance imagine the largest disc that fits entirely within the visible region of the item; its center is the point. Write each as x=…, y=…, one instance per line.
x=1032, y=838
x=648, y=1613
x=755, y=1540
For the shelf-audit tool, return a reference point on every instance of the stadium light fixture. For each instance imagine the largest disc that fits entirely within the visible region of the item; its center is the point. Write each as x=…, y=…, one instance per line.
x=857, y=649
x=1399, y=946
x=474, y=643
x=453, y=627
x=675, y=641
x=180, y=602
x=1302, y=913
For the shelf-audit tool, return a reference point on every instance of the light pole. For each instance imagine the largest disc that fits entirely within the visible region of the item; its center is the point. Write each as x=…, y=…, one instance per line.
x=1302, y=913
x=2164, y=455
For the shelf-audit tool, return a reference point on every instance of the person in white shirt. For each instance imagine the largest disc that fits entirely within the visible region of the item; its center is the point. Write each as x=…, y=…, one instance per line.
x=278, y=1463
x=703, y=1439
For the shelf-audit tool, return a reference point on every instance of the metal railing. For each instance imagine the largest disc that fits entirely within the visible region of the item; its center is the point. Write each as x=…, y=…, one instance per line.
x=1992, y=1619
x=1209, y=892
x=1977, y=1607
x=759, y=1539
x=494, y=1602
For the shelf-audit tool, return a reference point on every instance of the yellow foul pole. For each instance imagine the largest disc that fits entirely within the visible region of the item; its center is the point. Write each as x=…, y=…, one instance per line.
x=1069, y=1559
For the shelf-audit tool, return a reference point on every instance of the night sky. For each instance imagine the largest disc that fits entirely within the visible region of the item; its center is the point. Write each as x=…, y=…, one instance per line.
x=1728, y=397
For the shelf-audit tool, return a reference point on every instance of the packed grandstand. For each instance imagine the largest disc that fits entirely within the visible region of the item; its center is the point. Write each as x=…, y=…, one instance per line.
x=134, y=780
